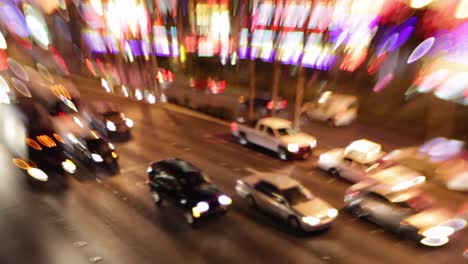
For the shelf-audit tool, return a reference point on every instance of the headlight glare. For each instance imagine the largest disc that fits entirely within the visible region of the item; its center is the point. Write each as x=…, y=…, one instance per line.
x=69, y=166
x=97, y=157
x=202, y=207
x=310, y=220
x=129, y=122
x=293, y=147
x=111, y=126
x=224, y=200
x=38, y=174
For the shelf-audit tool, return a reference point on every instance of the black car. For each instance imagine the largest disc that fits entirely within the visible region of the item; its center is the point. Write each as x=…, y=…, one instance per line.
x=109, y=121
x=94, y=150
x=187, y=187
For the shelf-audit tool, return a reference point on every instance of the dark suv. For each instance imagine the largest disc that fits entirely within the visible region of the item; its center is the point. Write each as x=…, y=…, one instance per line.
x=187, y=187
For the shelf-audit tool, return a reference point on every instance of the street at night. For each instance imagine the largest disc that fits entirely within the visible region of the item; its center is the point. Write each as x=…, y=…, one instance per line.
x=140, y=131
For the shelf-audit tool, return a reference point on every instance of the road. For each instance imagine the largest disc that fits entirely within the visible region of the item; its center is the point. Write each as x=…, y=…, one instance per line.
x=112, y=219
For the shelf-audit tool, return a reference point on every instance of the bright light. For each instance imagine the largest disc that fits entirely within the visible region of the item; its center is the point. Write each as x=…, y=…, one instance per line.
x=111, y=146
x=4, y=98
x=410, y=183
x=149, y=169
x=332, y=213
x=97, y=6
x=138, y=95
x=72, y=138
x=38, y=174
x=438, y=232
x=111, y=126
x=311, y=220
x=224, y=200
x=97, y=157
x=202, y=207
x=69, y=166
x=129, y=122
x=37, y=26
x=419, y=3
x=434, y=242
x=105, y=85
x=3, y=43
x=125, y=91
x=462, y=10
x=78, y=121
x=421, y=50
x=293, y=147
x=151, y=99
x=454, y=87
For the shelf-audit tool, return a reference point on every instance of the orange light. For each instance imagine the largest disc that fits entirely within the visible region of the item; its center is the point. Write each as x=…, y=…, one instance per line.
x=59, y=91
x=46, y=141
x=21, y=163
x=59, y=138
x=33, y=144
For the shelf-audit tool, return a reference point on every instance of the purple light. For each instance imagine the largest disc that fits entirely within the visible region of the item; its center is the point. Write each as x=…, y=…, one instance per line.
x=13, y=19
x=383, y=82
x=421, y=50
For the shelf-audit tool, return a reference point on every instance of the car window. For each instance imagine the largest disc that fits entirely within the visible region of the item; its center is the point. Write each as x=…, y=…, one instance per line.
x=261, y=127
x=286, y=131
x=270, y=131
x=267, y=189
x=167, y=180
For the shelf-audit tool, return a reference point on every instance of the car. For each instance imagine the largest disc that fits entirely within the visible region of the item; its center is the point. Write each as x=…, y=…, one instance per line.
x=409, y=213
x=287, y=199
x=352, y=162
x=440, y=159
x=277, y=135
x=336, y=109
x=46, y=160
x=180, y=183
x=263, y=106
x=108, y=120
x=86, y=145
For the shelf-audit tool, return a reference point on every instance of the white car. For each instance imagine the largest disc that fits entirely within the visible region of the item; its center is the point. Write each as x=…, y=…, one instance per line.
x=287, y=199
x=275, y=134
x=336, y=109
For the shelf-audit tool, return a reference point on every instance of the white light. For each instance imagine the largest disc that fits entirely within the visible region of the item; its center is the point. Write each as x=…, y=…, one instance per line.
x=224, y=200
x=410, y=183
x=438, y=232
x=419, y=3
x=111, y=126
x=149, y=169
x=421, y=50
x=462, y=10
x=111, y=146
x=72, y=138
x=97, y=6
x=69, y=166
x=38, y=174
x=129, y=122
x=332, y=213
x=151, y=99
x=78, y=121
x=313, y=144
x=125, y=91
x=202, y=207
x=310, y=220
x=105, y=85
x=4, y=98
x=293, y=147
x=434, y=242
x=97, y=157
x=3, y=43
x=37, y=26
x=138, y=95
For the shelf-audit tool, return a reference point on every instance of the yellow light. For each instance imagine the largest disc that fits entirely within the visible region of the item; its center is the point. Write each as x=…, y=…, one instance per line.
x=21, y=163
x=114, y=155
x=183, y=57
x=419, y=3
x=462, y=10
x=195, y=212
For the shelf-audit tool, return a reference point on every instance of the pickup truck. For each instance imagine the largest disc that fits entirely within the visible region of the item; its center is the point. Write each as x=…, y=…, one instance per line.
x=277, y=135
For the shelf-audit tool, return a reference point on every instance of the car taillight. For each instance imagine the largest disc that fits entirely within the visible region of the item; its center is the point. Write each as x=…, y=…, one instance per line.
x=283, y=104
x=270, y=105
x=233, y=126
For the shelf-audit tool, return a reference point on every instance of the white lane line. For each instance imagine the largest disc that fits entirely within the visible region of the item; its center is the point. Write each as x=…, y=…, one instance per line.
x=95, y=259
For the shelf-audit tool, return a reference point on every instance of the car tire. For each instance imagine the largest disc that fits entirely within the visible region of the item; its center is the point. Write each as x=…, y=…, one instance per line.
x=251, y=201
x=156, y=198
x=242, y=140
x=282, y=154
x=293, y=223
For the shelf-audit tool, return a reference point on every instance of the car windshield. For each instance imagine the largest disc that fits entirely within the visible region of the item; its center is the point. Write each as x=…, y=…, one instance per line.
x=286, y=131
x=194, y=179
x=296, y=195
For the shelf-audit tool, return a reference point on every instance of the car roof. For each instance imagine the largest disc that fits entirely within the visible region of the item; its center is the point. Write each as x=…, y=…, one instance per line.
x=363, y=150
x=275, y=122
x=281, y=182
x=179, y=164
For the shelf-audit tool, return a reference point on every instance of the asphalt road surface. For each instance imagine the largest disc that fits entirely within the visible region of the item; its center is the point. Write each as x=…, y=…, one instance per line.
x=94, y=217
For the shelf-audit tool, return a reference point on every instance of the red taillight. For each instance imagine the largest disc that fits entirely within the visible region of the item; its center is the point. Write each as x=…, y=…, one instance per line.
x=233, y=126
x=270, y=105
x=283, y=104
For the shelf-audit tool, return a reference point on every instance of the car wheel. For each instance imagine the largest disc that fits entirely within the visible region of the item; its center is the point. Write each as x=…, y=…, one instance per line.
x=156, y=198
x=242, y=140
x=282, y=154
x=251, y=201
x=293, y=223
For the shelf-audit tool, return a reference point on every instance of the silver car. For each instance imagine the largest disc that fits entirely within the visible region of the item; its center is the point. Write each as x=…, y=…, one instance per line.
x=287, y=199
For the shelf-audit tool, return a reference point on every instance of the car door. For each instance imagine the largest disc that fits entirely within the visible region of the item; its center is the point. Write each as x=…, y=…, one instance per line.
x=350, y=170
x=264, y=195
x=270, y=139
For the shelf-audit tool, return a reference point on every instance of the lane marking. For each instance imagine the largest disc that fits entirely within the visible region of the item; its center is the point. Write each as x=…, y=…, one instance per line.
x=95, y=259
x=331, y=180
x=251, y=170
x=80, y=244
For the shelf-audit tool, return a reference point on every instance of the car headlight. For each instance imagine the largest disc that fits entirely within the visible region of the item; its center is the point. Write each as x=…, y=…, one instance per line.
x=114, y=155
x=224, y=200
x=97, y=157
x=111, y=146
x=203, y=206
x=38, y=174
x=129, y=122
x=149, y=169
x=111, y=126
x=69, y=166
x=434, y=242
x=438, y=232
x=293, y=147
x=332, y=213
x=313, y=144
x=310, y=220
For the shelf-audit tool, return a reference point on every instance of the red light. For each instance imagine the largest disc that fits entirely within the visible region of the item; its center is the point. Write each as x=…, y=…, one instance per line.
x=233, y=126
x=283, y=104
x=270, y=105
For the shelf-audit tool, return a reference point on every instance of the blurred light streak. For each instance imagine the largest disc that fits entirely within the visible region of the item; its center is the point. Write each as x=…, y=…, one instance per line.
x=383, y=82
x=3, y=43
x=138, y=95
x=3, y=60
x=105, y=85
x=419, y=3
x=4, y=97
x=97, y=6
x=4, y=87
x=59, y=60
x=433, y=80
x=375, y=63
x=20, y=87
x=462, y=10
x=151, y=99
x=125, y=91
x=17, y=69
x=94, y=41
x=37, y=26
x=454, y=87
x=421, y=50
x=90, y=66
x=13, y=19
